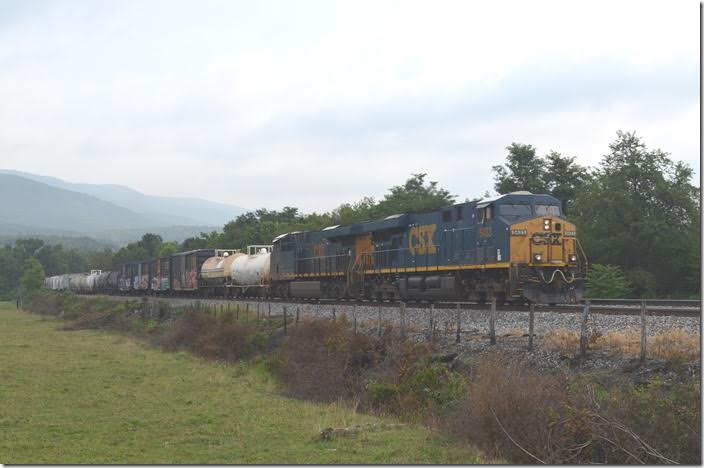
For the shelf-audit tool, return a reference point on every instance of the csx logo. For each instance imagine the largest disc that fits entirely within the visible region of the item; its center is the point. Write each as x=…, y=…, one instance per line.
x=420, y=239
x=546, y=238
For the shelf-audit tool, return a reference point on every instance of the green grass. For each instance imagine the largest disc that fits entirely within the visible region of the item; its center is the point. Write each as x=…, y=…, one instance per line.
x=74, y=397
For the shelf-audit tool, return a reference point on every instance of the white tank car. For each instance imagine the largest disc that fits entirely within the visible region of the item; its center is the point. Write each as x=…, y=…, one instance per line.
x=92, y=280
x=251, y=270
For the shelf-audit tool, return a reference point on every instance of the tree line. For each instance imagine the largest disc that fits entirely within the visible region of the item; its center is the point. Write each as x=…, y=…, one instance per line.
x=637, y=215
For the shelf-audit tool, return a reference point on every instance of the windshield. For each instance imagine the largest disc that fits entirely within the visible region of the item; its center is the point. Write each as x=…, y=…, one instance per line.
x=514, y=209
x=551, y=210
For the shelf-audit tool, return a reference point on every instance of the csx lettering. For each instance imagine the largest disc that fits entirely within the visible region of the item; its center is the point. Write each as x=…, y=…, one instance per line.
x=420, y=239
x=546, y=238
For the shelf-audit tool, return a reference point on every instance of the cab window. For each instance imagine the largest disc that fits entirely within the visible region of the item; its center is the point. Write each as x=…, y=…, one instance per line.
x=547, y=210
x=515, y=210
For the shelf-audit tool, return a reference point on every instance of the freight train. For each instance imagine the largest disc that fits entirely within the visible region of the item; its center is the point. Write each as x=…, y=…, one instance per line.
x=515, y=247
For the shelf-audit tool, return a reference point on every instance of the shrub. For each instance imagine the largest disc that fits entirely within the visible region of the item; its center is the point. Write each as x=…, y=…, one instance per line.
x=211, y=337
x=506, y=398
x=607, y=282
x=32, y=278
x=516, y=413
x=322, y=360
x=325, y=360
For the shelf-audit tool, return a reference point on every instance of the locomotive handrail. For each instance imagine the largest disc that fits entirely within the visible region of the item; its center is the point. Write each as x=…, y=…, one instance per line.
x=586, y=260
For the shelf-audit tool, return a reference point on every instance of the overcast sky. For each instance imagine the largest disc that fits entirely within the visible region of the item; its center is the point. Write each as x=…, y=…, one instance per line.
x=316, y=103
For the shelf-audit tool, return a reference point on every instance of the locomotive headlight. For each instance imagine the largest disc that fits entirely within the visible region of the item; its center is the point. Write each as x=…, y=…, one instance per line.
x=537, y=258
x=546, y=224
x=573, y=258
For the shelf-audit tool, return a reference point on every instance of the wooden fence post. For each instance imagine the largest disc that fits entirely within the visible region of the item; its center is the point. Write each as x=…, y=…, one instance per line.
x=354, y=319
x=333, y=314
x=268, y=317
x=246, y=313
x=285, y=327
x=297, y=315
x=402, y=310
x=492, y=322
x=583, y=332
x=431, y=336
x=459, y=324
x=642, y=330
x=237, y=312
x=531, y=318
x=379, y=318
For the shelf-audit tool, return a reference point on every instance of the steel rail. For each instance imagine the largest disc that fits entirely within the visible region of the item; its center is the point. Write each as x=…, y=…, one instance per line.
x=631, y=308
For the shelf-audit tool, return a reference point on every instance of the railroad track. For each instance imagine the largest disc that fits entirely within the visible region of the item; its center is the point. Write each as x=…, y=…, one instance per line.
x=657, y=307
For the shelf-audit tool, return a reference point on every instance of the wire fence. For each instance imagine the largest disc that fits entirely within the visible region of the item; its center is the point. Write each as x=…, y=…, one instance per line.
x=463, y=321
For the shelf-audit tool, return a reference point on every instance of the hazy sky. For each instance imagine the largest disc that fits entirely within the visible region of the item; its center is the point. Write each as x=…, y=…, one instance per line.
x=315, y=103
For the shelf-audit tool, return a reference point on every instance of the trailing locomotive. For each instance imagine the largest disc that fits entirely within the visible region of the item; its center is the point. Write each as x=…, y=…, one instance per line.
x=515, y=247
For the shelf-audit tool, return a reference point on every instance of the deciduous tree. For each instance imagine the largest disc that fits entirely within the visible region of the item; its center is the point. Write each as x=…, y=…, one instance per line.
x=640, y=211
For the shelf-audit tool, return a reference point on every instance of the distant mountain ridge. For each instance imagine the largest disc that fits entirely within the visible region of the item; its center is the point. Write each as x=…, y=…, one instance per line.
x=29, y=207
x=160, y=210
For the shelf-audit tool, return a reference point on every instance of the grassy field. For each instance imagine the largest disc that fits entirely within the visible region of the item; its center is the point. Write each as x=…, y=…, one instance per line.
x=74, y=397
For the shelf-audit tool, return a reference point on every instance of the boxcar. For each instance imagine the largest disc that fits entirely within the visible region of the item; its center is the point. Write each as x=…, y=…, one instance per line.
x=185, y=269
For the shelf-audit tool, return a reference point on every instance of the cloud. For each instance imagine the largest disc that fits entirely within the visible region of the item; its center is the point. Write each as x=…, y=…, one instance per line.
x=316, y=103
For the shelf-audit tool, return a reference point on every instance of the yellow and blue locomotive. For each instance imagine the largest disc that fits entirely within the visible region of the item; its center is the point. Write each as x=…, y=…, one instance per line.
x=513, y=247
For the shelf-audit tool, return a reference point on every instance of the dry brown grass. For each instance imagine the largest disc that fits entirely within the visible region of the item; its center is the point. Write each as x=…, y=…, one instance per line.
x=674, y=344
x=564, y=341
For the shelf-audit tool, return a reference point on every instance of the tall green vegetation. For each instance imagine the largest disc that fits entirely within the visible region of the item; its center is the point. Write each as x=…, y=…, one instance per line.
x=607, y=282
x=555, y=174
x=53, y=259
x=33, y=277
x=640, y=211
x=262, y=225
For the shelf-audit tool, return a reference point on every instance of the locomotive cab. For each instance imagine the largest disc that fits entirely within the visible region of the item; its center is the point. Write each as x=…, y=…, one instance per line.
x=545, y=263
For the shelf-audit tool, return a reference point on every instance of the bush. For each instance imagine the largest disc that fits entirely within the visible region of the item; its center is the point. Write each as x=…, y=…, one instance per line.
x=325, y=360
x=516, y=413
x=322, y=360
x=33, y=277
x=504, y=397
x=211, y=337
x=607, y=282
